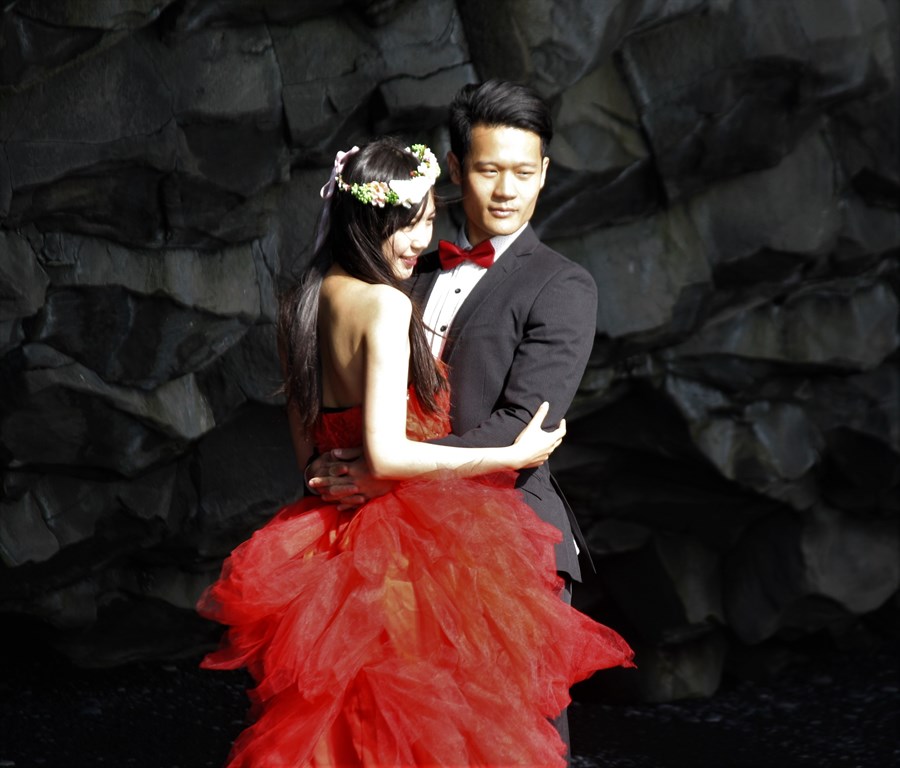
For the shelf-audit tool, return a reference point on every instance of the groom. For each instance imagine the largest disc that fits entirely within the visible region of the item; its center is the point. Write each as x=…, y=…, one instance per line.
x=520, y=330
x=513, y=320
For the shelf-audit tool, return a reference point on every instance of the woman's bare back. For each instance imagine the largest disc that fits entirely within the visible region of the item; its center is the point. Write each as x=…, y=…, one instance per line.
x=346, y=310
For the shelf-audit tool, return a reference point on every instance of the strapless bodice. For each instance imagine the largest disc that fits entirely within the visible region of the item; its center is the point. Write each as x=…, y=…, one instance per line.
x=344, y=428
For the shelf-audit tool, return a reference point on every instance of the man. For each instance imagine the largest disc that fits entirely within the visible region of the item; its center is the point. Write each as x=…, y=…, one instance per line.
x=516, y=325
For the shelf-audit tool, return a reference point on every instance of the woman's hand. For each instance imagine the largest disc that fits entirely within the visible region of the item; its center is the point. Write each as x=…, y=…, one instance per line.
x=533, y=446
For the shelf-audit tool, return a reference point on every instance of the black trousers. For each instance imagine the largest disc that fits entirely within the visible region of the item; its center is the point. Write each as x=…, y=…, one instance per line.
x=561, y=723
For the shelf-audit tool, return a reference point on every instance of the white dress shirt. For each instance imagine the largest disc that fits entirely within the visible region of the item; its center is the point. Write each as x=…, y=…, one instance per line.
x=453, y=286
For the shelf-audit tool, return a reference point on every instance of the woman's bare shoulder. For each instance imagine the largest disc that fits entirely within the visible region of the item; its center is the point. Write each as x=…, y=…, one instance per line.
x=368, y=301
x=389, y=297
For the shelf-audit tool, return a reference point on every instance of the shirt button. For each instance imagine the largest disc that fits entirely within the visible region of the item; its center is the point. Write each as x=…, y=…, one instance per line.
x=443, y=328
x=458, y=290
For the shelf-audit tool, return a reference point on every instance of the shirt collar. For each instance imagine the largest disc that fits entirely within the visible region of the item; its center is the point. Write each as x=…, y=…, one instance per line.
x=501, y=242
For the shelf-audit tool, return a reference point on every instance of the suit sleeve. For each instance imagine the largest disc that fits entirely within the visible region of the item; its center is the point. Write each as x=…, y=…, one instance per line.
x=549, y=361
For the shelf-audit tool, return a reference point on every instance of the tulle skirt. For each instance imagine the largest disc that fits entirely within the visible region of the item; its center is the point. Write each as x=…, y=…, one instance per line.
x=424, y=629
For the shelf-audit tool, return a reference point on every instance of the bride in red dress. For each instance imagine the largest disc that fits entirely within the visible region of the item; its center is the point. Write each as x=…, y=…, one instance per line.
x=424, y=628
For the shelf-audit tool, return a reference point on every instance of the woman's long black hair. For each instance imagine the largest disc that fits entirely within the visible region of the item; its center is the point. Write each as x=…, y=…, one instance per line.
x=354, y=241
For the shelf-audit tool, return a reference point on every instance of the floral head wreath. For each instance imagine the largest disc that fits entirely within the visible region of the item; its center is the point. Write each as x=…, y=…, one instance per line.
x=405, y=192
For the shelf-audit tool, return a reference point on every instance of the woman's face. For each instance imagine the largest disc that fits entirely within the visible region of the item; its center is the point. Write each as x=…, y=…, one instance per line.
x=404, y=247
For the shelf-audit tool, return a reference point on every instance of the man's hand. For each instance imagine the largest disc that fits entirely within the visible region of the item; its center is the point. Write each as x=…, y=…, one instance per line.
x=342, y=476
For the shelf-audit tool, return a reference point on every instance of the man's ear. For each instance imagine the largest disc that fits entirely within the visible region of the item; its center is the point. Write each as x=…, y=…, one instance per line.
x=455, y=168
x=545, y=164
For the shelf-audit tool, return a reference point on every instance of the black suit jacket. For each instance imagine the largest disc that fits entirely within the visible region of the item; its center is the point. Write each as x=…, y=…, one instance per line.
x=522, y=336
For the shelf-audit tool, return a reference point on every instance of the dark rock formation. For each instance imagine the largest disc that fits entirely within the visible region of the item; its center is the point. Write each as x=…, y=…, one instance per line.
x=727, y=170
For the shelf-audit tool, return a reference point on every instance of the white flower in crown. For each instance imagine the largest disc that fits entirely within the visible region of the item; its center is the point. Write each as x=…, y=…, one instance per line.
x=411, y=191
x=428, y=164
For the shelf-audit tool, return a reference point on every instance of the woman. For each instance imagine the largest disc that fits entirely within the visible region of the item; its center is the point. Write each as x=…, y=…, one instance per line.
x=381, y=637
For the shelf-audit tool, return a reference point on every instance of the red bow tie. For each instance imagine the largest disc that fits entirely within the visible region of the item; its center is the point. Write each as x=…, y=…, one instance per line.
x=451, y=255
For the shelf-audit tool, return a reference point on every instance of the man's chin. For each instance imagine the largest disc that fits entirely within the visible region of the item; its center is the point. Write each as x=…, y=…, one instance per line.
x=503, y=228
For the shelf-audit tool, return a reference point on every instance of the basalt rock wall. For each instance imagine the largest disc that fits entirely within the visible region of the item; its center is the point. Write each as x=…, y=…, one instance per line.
x=728, y=171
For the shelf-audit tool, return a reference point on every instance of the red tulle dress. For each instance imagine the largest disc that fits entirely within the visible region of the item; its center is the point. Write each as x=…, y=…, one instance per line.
x=423, y=629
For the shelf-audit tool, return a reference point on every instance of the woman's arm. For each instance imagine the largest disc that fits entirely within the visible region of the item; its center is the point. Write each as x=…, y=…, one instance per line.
x=388, y=451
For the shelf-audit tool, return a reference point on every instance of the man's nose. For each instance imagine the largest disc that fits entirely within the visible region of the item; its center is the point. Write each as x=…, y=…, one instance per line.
x=505, y=186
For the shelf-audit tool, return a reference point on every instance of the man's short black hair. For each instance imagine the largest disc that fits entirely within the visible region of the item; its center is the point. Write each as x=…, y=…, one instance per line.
x=497, y=103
